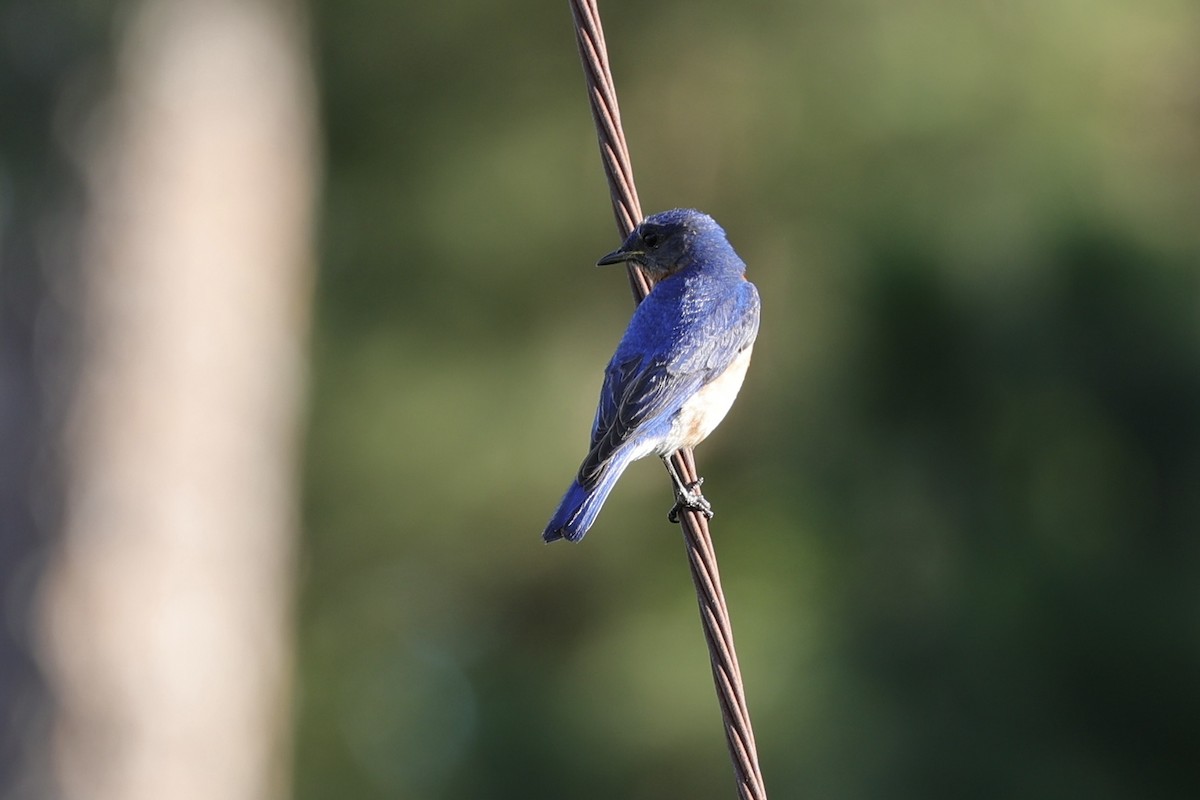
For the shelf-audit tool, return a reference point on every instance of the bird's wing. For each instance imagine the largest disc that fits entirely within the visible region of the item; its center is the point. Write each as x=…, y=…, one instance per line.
x=642, y=386
x=728, y=329
x=636, y=389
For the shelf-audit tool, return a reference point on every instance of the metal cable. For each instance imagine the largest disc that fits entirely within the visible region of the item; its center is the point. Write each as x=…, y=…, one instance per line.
x=727, y=676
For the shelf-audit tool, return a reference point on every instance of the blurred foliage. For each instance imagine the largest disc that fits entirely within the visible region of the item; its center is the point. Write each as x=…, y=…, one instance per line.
x=958, y=499
x=52, y=61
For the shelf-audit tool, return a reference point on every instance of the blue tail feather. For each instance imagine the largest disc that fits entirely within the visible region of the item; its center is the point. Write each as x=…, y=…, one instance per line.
x=580, y=506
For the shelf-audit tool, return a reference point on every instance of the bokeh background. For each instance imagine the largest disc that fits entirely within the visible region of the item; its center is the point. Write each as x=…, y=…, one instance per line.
x=958, y=501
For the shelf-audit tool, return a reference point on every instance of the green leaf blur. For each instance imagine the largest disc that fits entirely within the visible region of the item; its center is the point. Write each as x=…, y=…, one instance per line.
x=957, y=502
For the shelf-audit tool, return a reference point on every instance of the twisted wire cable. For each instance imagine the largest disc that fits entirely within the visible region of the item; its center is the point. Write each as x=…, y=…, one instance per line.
x=718, y=632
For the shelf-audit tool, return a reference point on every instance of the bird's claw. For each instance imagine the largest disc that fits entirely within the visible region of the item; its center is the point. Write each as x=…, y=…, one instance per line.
x=691, y=500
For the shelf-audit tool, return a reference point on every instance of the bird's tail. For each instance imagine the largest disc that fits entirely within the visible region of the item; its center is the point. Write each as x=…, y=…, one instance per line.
x=580, y=505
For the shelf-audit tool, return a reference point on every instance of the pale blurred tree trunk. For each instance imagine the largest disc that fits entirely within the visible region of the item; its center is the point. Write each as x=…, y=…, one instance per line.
x=167, y=608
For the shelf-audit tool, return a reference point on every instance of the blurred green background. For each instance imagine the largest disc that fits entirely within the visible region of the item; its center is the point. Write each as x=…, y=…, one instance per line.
x=958, y=499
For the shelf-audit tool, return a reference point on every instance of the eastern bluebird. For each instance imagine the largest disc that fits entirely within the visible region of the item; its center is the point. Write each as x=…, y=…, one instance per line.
x=678, y=367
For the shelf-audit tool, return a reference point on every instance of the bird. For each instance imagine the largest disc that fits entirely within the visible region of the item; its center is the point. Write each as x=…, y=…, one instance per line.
x=678, y=367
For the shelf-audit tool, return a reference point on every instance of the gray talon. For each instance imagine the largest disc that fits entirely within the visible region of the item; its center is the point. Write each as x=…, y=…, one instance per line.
x=690, y=500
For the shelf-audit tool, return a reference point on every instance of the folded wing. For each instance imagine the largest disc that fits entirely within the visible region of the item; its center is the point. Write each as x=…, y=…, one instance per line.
x=645, y=389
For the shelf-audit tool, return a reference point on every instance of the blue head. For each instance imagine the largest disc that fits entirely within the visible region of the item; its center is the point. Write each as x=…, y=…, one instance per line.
x=666, y=242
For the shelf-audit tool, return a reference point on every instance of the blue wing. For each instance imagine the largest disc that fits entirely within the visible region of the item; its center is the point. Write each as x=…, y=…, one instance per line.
x=649, y=379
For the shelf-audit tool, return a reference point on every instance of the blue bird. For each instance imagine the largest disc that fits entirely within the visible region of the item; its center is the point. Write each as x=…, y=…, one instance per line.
x=678, y=367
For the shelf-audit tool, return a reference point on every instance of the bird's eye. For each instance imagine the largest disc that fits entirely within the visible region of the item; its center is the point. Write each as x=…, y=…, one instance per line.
x=650, y=239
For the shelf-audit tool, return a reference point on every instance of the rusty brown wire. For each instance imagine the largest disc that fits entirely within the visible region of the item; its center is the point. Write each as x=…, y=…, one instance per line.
x=718, y=632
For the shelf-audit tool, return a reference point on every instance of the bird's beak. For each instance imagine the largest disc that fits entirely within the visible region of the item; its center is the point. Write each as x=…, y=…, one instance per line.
x=617, y=257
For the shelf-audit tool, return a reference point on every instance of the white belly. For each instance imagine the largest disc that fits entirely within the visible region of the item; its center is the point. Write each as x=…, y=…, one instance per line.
x=700, y=415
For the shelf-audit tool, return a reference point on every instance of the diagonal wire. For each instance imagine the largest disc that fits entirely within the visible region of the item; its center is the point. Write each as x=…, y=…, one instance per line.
x=718, y=632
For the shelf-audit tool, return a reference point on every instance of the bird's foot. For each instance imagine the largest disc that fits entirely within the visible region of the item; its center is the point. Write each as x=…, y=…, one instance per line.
x=690, y=500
